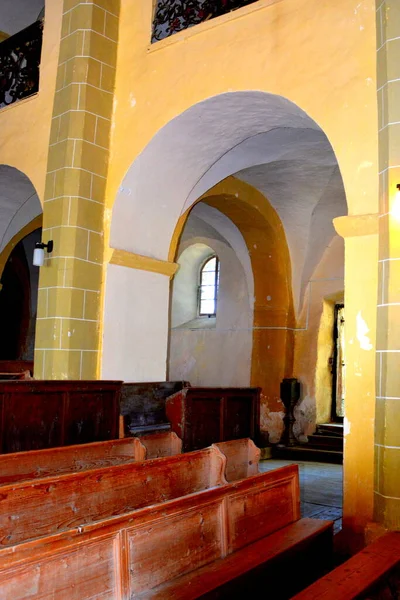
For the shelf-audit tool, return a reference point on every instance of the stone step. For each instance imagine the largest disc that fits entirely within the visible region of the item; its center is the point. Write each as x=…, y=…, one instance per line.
x=330, y=442
x=332, y=429
x=303, y=452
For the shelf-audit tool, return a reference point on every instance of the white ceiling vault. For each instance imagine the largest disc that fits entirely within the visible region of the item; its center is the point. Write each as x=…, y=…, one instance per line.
x=261, y=138
x=18, y=14
x=19, y=203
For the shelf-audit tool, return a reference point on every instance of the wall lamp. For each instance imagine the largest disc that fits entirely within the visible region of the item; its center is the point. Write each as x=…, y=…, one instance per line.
x=395, y=209
x=38, y=253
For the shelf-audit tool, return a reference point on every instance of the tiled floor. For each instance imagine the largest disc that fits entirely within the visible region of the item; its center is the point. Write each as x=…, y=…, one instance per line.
x=321, y=488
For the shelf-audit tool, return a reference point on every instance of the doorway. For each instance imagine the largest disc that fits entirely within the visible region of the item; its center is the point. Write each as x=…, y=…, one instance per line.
x=338, y=366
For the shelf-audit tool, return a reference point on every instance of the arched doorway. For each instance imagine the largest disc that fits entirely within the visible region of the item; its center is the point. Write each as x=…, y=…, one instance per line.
x=20, y=229
x=270, y=145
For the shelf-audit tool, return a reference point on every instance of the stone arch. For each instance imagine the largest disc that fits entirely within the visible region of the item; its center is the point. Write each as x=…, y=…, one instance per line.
x=264, y=141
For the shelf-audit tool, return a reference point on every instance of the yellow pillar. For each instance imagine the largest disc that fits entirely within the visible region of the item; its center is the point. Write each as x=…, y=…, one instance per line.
x=67, y=332
x=361, y=283
x=387, y=438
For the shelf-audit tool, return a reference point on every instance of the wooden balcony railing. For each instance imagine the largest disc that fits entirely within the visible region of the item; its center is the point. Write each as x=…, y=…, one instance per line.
x=172, y=16
x=19, y=64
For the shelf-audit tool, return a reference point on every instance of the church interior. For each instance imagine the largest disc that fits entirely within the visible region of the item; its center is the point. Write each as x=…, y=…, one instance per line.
x=199, y=240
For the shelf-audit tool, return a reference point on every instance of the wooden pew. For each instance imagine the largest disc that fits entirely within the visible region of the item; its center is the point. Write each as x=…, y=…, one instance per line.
x=159, y=445
x=31, y=509
x=142, y=406
x=365, y=575
x=36, y=464
x=47, y=414
x=141, y=553
x=242, y=458
x=204, y=416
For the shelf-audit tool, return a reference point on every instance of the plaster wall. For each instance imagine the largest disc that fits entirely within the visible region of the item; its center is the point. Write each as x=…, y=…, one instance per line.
x=25, y=125
x=135, y=349
x=211, y=352
x=314, y=338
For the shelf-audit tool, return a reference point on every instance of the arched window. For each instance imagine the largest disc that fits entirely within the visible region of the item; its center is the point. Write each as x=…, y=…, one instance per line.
x=208, y=289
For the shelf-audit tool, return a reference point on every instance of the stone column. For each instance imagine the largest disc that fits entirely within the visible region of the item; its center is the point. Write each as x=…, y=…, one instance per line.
x=360, y=233
x=387, y=430
x=67, y=333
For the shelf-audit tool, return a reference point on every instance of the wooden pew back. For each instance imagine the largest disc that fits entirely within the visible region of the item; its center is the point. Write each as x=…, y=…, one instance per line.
x=32, y=509
x=124, y=557
x=143, y=405
x=160, y=445
x=242, y=458
x=36, y=464
x=202, y=416
x=47, y=414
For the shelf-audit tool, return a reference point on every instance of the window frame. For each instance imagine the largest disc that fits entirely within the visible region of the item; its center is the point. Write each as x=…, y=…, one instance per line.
x=216, y=285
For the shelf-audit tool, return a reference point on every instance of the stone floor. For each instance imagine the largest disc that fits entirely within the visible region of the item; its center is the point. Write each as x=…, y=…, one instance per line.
x=321, y=484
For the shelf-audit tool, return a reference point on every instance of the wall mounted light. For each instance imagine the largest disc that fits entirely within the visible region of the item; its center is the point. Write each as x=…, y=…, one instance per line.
x=38, y=253
x=395, y=210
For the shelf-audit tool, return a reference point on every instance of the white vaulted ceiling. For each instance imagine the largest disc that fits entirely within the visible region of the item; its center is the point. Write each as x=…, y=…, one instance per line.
x=18, y=14
x=19, y=203
x=261, y=138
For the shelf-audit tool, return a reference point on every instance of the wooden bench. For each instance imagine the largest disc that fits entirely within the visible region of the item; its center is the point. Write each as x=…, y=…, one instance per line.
x=142, y=406
x=365, y=575
x=140, y=553
x=36, y=464
x=159, y=445
x=242, y=458
x=204, y=416
x=47, y=414
x=31, y=509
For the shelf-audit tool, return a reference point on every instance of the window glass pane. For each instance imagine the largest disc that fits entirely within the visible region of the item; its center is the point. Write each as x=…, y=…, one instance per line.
x=207, y=307
x=208, y=292
x=207, y=278
x=210, y=265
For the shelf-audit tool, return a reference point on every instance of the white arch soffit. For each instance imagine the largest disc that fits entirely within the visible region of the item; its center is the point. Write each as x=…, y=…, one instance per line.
x=158, y=184
x=19, y=203
x=261, y=138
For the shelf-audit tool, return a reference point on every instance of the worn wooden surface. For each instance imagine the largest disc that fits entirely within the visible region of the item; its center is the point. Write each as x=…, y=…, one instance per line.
x=203, y=416
x=143, y=406
x=242, y=458
x=358, y=576
x=264, y=564
x=16, y=366
x=121, y=557
x=36, y=464
x=46, y=414
x=159, y=445
x=45, y=506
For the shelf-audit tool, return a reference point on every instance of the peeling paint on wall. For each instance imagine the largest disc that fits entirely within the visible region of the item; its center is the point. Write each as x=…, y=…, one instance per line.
x=272, y=423
x=362, y=330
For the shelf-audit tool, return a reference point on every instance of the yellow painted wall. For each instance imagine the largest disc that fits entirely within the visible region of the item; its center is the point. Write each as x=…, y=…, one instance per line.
x=25, y=125
x=264, y=235
x=329, y=76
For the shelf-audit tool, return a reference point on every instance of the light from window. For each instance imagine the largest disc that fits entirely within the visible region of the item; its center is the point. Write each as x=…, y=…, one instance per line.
x=208, y=291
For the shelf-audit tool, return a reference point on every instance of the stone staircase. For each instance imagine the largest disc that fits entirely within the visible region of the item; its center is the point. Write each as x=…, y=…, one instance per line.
x=325, y=445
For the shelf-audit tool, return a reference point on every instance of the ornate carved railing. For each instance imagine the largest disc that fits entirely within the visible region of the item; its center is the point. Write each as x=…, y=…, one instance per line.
x=174, y=15
x=19, y=64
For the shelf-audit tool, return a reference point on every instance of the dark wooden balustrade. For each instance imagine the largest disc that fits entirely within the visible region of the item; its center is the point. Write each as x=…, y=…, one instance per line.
x=19, y=64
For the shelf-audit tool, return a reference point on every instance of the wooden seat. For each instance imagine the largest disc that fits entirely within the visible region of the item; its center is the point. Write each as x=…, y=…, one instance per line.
x=366, y=573
x=259, y=564
x=130, y=554
x=31, y=509
x=36, y=464
x=242, y=458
